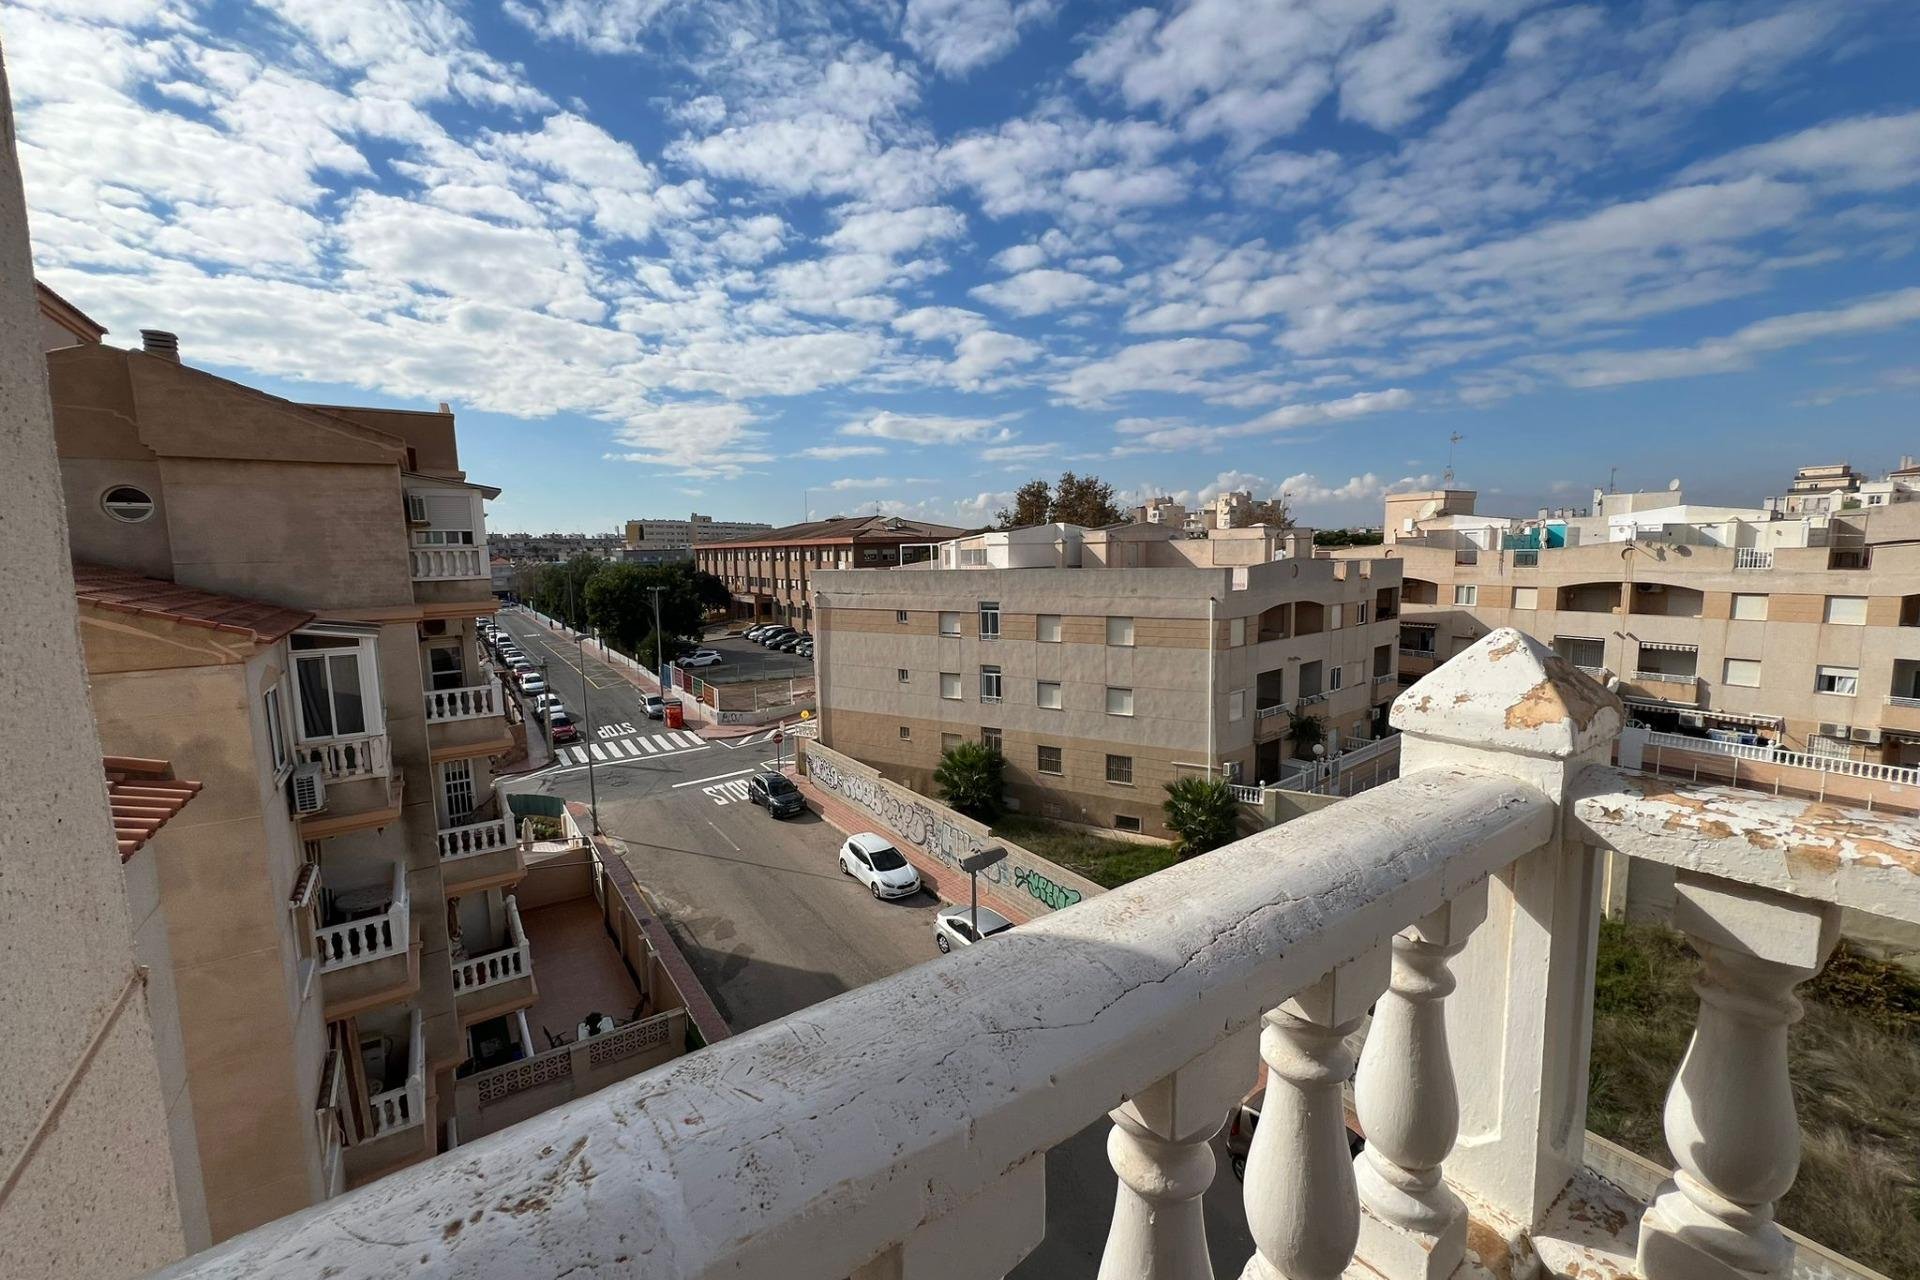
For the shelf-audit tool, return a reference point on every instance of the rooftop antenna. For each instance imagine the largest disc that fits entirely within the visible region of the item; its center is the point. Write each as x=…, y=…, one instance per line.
x=1446, y=481
x=1612, y=474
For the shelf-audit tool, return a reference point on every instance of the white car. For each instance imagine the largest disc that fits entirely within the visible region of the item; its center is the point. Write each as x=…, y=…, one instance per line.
x=532, y=682
x=548, y=703
x=700, y=658
x=874, y=862
x=953, y=926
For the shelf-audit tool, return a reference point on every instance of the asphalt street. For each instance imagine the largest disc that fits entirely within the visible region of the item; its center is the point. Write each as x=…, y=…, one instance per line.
x=763, y=914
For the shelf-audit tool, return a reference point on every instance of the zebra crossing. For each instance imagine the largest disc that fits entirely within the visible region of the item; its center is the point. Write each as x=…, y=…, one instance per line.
x=637, y=747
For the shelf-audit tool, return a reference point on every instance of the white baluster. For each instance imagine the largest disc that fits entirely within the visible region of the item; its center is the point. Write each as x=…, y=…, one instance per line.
x=1302, y=1208
x=1411, y=1226
x=1730, y=1120
x=1160, y=1148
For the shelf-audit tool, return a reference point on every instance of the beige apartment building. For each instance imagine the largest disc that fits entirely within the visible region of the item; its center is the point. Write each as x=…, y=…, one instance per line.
x=1105, y=663
x=770, y=575
x=1743, y=625
x=277, y=602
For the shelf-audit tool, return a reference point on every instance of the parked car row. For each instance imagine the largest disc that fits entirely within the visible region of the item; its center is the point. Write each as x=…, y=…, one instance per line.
x=781, y=639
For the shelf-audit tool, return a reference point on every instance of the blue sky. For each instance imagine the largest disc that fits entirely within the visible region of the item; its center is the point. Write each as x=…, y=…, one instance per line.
x=744, y=255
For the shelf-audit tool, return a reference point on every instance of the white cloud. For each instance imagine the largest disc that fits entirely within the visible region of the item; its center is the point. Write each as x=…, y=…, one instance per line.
x=1865, y=153
x=920, y=428
x=927, y=323
x=1041, y=290
x=871, y=483
x=893, y=232
x=958, y=36
x=1175, y=365
x=833, y=452
x=978, y=356
x=1019, y=452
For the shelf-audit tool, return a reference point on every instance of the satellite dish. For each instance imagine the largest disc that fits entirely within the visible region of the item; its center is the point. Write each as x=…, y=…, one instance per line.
x=1429, y=509
x=1673, y=485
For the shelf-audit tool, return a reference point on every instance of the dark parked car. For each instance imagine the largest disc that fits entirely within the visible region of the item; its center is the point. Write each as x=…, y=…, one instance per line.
x=777, y=793
x=775, y=636
x=561, y=728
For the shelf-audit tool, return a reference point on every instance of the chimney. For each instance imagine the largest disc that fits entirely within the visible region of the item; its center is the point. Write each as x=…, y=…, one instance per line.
x=158, y=342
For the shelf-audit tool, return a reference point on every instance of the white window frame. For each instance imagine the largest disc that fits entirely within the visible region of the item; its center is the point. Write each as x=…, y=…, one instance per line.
x=1046, y=628
x=1126, y=700
x=1119, y=782
x=1059, y=760
x=989, y=615
x=1465, y=593
x=950, y=680
x=1745, y=666
x=1121, y=628
x=949, y=622
x=366, y=655
x=990, y=671
x=1360, y=614
x=902, y=675
x=456, y=779
x=273, y=705
x=900, y=616
x=1526, y=598
x=1853, y=611
x=1041, y=690
x=1846, y=680
x=1336, y=677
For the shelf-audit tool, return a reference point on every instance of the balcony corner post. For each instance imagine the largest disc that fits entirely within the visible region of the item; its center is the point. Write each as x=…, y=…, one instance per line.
x=1161, y=1148
x=1729, y=1118
x=1520, y=1023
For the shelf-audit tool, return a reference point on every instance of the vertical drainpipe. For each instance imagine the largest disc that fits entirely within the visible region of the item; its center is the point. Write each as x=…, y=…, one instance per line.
x=1212, y=687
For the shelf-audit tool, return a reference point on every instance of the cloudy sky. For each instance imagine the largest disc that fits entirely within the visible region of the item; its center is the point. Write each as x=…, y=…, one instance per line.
x=743, y=255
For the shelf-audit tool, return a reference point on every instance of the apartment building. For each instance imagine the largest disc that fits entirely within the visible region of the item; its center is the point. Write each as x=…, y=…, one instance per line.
x=551, y=548
x=678, y=534
x=277, y=601
x=1163, y=511
x=770, y=574
x=1104, y=663
x=1741, y=624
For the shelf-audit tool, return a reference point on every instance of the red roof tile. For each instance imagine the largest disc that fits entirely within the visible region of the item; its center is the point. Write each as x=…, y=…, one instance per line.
x=143, y=794
x=124, y=592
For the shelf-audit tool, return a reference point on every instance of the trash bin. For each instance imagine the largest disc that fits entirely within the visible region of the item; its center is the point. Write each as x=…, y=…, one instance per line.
x=676, y=715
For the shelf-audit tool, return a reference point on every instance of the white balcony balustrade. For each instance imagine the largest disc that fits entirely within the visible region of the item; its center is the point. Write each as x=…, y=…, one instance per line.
x=405, y=1106
x=443, y=564
x=900, y=1129
x=470, y=703
x=515, y=960
x=475, y=838
x=347, y=759
x=1752, y=558
x=372, y=936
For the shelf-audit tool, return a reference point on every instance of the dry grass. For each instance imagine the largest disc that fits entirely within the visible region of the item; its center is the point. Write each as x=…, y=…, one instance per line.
x=1107, y=862
x=1856, y=1081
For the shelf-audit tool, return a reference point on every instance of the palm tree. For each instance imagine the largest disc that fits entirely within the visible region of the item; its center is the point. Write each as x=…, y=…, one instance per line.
x=1203, y=813
x=969, y=779
x=1307, y=732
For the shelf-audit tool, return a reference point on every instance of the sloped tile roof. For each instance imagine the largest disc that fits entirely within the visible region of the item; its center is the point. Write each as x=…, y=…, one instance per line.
x=143, y=795
x=124, y=592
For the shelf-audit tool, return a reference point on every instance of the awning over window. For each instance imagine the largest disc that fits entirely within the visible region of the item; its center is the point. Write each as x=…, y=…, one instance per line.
x=1424, y=626
x=1670, y=648
x=1771, y=722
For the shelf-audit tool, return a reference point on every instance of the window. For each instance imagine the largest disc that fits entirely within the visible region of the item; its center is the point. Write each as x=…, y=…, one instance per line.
x=276, y=729
x=1744, y=672
x=1466, y=595
x=1237, y=705
x=1120, y=632
x=1236, y=632
x=1047, y=628
x=1841, y=680
x=1049, y=761
x=950, y=685
x=1748, y=608
x=906, y=733
x=990, y=739
x=1335, y=675
x=989, y=619
x=948, y=741
x=900, y=616
x=1360, y=614
x=1119, y=701
x=1847, y=611
x=949, y=623
x=456, y=789
x=127, y=504
x=903, y=675
x=1046, y=694
x=1120, y=770
x=1526, y=597
x=1125, y=822
x=339, y=694
x=1335, y=614
x=444, y=669
x=989, y=684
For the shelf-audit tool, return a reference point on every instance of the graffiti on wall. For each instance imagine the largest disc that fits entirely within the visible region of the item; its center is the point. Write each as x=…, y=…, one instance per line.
x=922, y=823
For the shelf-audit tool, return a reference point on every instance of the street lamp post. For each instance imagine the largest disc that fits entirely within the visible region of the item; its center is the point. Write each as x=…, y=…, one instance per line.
x=973, y=864
x=586, y=708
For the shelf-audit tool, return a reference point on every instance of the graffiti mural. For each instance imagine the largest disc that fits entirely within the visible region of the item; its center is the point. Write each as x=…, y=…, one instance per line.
x=930, y=826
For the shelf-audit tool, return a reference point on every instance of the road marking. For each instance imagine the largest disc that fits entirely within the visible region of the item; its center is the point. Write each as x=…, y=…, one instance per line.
x=626, y=745
x=687, y=739
x=727, y=792
x=724, y=836
x=647, y=745
x=598, y=754
x=579, y=754
x=718, y=777
x=616, y=730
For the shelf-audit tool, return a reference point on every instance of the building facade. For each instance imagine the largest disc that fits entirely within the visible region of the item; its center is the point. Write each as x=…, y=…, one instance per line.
x=1741, y=624
x=695, y=528
x=770, y=575
x=279, y=601
x=1104, y=663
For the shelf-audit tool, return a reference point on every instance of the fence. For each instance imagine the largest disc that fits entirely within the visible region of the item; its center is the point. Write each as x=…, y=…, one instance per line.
x=1771, y=768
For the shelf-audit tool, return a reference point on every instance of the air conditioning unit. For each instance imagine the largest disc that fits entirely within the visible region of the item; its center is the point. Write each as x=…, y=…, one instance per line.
x=1649, y=588
x=416, y=508
x=307, y=789
x=1693, y=720
x=1835, y=730
x=1870, y=737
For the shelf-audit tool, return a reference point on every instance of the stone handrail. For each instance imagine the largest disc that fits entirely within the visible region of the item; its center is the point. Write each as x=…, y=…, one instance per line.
x=438, y=564
x=347, y=759
x=469, y=703
x=341, y=946
x=474, y=838
x=401, y=1108
x=514, y=960
x=900, y=1129
x=1871, y=770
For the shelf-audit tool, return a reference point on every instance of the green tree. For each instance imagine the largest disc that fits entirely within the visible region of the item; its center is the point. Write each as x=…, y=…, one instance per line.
x=560, y=590
x=1271, y=511
x=1085, y=501
x=1031, y=503
x=1202, y=812
x=1307, y=732
x=969, y=778
x=620, y=605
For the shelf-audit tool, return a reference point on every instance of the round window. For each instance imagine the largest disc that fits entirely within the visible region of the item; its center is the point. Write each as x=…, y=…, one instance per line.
x=124, y=502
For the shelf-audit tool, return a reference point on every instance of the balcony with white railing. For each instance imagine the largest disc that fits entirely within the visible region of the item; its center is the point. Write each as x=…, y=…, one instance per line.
x=497, y=977
x=901, y=1129
x=448, y=564
x=395, y=1124
x=481, y=854
x=404, y=1105
x=472, y=702
x=1752, y=558
x=365, y=946
x=348, y=759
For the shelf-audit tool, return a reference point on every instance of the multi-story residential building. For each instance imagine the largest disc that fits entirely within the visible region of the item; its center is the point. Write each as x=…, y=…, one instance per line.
x=685, y=533
x=278, y=601
x=551, y=548
x=770, y=574
x=1104, y=663
x=1162, y=511
x=1742, y=623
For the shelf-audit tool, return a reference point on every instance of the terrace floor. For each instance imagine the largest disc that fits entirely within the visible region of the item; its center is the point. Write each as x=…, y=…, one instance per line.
x=577, y=968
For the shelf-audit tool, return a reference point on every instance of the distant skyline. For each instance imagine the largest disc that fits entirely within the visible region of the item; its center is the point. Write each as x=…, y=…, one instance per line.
x=668, y=255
